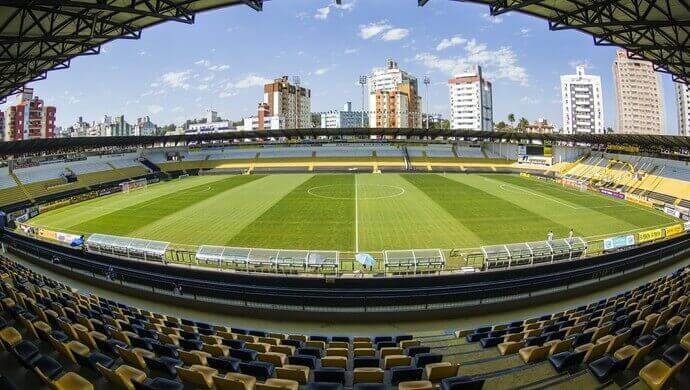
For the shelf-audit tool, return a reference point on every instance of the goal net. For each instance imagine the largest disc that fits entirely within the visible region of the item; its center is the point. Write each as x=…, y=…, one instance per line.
x=132, y=185
x=575, y=183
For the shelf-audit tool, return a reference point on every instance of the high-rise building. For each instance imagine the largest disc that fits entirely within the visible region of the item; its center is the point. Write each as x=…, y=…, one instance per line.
x=291, y=102
x=211, y=116
x=144, y=127
x=639, y=96
x=583, y=106
x=29, y=118
x=2, y=125
x=345, y=118
x=683, y=106
x=394, y=99
x=471, y=101
x=118, y=128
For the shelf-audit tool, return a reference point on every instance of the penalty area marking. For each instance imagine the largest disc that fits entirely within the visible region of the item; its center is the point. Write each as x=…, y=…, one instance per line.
x=314, y=192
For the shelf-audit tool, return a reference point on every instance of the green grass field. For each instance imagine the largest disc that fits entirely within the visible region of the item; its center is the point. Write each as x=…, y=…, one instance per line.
x=363, y=212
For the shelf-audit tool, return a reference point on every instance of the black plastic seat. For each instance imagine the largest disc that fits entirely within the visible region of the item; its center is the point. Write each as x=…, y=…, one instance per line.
x=258, y=369
x=606, y=366
x=535, y=341
x=385, y=344
x=661, y=332
x=644, y=340
x=461, y=382
x=474, y=337
x=379, y=339
x=110, y=345
x=369, y=386
x=235, y=344
x=303, y=360
x=489, y=342
x=413, y=351
x=330, y=374
x=292, y=343
x=325, y=339
x=566, y=360
x=366, y=361
x=422, y=359
x=94, y=358
x=48, y=366
x=315, y=352
x=244, y=354
x=342, y=339
x=24, y=352
x=224, y=364
x=402, y=337
x=165, y=364
x=168, y=350
x=324, y=386
x=158, y=384
x=674, y=354
x=191, y=345
x=405, y=374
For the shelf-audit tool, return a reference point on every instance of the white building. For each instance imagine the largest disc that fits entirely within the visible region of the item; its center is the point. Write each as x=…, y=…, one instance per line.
x=144, y=127
x=639, y=97
x=345, y=118
x=394, y=100
x=255, y=123
x=290, y=101
x=683, y=106
x=471, y=101
x=583, y=106
x=210, y=127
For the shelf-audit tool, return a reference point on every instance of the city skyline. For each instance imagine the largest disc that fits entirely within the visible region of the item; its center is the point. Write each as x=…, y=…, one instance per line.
x=217, y=63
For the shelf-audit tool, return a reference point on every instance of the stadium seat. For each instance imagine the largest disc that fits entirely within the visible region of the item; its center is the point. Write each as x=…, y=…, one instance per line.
x=330, y=374
x=657, y=373
x=405, y=373
x=461, y=383
x=234, y=381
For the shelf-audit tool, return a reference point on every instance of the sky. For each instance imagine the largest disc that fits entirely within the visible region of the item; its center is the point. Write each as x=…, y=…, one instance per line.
x=177, y=71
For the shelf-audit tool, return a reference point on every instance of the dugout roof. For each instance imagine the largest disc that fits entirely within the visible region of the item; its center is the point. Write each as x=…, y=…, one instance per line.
x=126, y=244
x=42, y=35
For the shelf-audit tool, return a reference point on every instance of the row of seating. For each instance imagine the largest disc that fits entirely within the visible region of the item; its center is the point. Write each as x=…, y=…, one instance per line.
x=608, y=337
x=135, y=348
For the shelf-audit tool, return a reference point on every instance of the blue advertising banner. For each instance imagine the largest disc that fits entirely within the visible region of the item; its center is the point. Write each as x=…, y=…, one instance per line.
x=619, y=242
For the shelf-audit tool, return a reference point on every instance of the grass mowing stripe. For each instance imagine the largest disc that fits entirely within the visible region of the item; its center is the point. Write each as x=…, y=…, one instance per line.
x=494, y=219
x=318, y=214
x=129, y=219
x=639, y=216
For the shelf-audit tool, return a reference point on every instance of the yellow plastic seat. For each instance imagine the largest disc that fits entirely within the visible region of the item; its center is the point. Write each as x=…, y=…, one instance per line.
x=197, y=375
x=122, y=376
x=391, y=361
x=234, y=381
x=334, y=361
x=416, y=385
x=368, y=375
x=277, y=384
x=390, y=351
x=275, y=358
x=287, y=350
x=657, y=373
x=441, y=370
x=315, y=344
x=534, y=353
x=216, y=349
x=194, y=357
x=293, y=371
x=510, y=347
x=337, y=352
x=71, y=381
x=135, y=356
x=258, y=347
x=558, y=346
x=10, y=336
x=364, y=352
x=339, y=344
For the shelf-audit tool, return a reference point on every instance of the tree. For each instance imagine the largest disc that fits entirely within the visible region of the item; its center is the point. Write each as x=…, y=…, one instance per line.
x=501, y=126
x=522, y=125
x=315, y=120
x=511, y=119
x=608, y=130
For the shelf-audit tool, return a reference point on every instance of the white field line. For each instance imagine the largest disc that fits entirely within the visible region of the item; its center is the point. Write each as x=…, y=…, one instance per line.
x=503, y=186
x=356, y=216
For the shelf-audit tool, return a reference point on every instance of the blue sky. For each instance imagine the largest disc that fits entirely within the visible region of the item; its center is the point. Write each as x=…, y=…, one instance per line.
x=176, y=71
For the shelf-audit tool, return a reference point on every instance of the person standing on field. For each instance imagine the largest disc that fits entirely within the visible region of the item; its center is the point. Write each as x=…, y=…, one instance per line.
x=549, y=237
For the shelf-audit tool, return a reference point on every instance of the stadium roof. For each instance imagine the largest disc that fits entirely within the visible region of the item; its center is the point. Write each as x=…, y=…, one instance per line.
x=17, y=148
x=41, y=35
x=654, y=30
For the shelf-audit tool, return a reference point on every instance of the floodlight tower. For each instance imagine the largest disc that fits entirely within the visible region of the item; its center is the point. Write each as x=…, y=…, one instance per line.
x=427, y=81
x=363, y=83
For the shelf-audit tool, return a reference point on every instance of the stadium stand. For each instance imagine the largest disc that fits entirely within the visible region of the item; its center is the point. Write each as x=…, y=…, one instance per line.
x=636, y=338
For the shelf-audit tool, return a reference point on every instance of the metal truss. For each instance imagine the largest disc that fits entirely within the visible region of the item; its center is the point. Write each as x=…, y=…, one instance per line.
x=37, y=36
x=654, y=30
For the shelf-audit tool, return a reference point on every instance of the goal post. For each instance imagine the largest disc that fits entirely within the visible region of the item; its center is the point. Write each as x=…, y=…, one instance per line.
x=132, y=185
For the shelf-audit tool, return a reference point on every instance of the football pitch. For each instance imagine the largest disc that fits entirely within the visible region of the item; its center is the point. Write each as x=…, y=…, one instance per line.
x=353, y=212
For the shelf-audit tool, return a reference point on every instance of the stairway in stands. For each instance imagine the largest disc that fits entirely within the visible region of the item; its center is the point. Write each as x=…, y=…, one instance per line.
x=21, y=187
x=149, y=164
x=406, y=155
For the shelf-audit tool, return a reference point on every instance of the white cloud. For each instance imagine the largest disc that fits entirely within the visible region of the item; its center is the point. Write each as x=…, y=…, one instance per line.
x=204, y=63
x=321, y=71
x=351, y=51
x=524, y=32
x=177, y=79
x=450, y=42
x=301, y=15
x=492, y=19
x=395, y=34
x=177, y=109
x=202, y=87
x=500, y=64
x=142, y=53
x=154, y=109
x=373, y=29
x=530, y=100
x=251, y=80
x=218, y=68
x=322, y=13
x=575, y=63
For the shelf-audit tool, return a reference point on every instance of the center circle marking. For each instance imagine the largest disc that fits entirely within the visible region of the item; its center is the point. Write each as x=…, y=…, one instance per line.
x=313, y=191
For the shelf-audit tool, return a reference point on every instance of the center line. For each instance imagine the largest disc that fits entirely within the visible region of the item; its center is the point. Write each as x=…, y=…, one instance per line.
x=356, y=217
